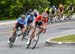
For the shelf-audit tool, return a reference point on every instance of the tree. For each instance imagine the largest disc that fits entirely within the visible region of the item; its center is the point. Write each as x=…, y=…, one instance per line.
x=14, y=8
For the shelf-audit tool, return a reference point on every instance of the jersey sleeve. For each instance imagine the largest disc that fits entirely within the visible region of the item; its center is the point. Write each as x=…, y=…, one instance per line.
x=26, y=20
x=19, y=20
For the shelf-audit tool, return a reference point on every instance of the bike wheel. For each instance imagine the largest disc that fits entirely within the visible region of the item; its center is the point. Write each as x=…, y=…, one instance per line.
x=11, y=44
x=34, y=42
x=12, y=40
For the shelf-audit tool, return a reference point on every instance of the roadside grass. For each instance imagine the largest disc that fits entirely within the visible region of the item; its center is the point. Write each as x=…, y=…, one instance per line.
x=68, y=38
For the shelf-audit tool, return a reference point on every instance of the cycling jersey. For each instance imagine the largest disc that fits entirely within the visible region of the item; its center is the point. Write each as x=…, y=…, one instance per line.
x=21, y=21
x=40, y=18
x=53, y=10
x=29, y=19
x=47, y=10
x=61, y=9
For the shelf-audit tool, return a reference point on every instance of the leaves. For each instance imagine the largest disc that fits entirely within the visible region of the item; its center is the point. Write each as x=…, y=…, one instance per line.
x=14, y=8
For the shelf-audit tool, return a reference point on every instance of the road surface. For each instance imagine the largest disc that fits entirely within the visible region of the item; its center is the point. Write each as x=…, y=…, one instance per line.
x=53, y=30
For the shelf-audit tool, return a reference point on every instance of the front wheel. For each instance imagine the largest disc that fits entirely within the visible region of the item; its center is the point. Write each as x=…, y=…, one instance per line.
x=12, y=40
x=35, y=41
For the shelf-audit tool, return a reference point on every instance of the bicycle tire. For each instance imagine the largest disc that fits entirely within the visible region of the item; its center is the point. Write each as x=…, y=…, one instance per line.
x=36, y=41
x=11, y=44
x=12, y=40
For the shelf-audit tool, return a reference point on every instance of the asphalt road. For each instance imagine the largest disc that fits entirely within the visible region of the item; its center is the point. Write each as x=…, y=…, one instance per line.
x=53, y=30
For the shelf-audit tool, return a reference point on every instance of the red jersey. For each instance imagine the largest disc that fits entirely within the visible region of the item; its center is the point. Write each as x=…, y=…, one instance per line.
x=38, y=18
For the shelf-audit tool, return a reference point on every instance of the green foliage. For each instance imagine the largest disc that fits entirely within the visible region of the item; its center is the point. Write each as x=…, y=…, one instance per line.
x=14, y=8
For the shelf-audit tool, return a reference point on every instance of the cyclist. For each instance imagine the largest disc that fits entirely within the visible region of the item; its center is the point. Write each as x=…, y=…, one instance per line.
x=70, y=8
x=47, y=10
x=35, y=12
x=61, y=10
x=45, y=17
x=28, y=12
x=28, y=21
x=38, y=22
x=19, y=23
x=53, y=10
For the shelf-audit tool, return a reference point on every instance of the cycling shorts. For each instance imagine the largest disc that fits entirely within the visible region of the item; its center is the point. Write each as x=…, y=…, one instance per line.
x=19, y=25
x=39, y=23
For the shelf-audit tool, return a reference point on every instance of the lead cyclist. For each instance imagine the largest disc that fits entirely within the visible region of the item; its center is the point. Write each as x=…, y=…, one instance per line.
x=40, y=22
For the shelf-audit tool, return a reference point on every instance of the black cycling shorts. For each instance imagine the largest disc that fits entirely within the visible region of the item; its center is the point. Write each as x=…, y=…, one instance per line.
x=19, y=25
x=30, y=21
x=39, y=23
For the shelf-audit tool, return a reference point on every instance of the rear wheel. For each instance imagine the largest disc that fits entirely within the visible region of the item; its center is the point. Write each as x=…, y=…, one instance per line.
x=12, y=40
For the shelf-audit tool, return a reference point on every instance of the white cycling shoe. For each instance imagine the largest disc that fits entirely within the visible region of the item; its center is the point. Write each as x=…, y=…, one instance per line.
x=8, y=42
x=35, y=38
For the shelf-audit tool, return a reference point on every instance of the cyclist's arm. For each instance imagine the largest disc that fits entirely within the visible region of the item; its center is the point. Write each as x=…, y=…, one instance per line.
x=26, y=20
x=16, y=22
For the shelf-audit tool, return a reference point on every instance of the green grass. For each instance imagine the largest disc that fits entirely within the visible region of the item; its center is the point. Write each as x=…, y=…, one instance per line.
x=68, y=38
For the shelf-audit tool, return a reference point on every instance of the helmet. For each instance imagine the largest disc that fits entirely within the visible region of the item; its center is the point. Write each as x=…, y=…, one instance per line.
x=47, y=9
x=23, y=16
x=31, y=14
x=60, y=5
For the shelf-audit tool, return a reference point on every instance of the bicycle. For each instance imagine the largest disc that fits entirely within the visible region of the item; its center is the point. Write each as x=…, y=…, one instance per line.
x=68, y=16
x=13, y=38
x=33, y=42
x=26, y=31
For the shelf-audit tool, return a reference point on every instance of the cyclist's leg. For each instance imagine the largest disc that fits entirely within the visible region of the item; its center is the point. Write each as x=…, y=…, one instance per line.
x=44, y=25
x=14, y=32
x=23, y=30
x=32, y=31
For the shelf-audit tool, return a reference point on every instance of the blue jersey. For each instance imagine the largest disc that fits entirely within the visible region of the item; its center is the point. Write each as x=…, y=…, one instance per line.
x=21, y=21
x=29, y=18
